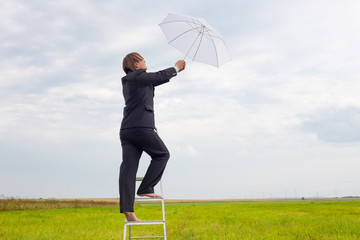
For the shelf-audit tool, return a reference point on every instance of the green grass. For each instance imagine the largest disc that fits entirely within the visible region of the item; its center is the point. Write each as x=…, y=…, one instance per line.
x=223, y=220
x=12, y=204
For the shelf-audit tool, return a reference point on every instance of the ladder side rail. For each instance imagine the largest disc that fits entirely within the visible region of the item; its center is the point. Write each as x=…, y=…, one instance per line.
x=125, y=226
x=163, y=209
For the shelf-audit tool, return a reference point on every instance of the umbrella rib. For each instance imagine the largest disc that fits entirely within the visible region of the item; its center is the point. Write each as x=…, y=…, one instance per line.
x=177, y=21
x=207, y=33
x=181, y=35
x=202, y=36
x=192, y=47
x=197, y=24
x=217, y=57
x=183, y=21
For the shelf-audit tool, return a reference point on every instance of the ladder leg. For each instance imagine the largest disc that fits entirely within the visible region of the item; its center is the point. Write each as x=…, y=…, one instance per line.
x=163, y=209
x=165, y=235
x=129, y=232
x=124, y=232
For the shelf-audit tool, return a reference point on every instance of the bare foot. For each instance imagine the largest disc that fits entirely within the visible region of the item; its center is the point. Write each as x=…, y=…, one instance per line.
x=130, y=216
x=151, y=195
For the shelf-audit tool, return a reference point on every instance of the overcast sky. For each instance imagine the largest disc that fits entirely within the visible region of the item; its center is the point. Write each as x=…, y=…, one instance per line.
x=282, y=119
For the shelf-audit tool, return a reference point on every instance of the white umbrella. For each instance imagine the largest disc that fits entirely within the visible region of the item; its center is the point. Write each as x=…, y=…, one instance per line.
x=195, y=38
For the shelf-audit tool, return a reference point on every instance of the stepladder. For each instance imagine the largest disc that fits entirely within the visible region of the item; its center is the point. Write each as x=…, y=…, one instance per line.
x=129, y=232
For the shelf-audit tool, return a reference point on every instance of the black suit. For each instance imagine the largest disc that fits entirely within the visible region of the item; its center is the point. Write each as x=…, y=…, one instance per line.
x=137, y=134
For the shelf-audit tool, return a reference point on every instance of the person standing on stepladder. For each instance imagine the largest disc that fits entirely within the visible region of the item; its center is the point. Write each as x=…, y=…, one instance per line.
x=138, y=133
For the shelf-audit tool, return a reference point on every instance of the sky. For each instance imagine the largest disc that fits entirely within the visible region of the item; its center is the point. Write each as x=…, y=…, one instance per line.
x=282, y=119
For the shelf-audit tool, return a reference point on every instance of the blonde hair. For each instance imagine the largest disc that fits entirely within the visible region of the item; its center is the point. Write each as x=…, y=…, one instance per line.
x=130, y=60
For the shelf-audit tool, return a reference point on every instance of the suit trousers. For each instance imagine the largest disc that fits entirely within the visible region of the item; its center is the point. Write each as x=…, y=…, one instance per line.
x=135, y=141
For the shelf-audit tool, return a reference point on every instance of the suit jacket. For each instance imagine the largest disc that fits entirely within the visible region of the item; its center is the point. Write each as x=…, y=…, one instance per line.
x=138, y=90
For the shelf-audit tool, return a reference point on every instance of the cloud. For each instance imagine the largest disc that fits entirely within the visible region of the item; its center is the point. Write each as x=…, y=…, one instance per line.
x=334, y=125
x=285, y=102
x=8, y=11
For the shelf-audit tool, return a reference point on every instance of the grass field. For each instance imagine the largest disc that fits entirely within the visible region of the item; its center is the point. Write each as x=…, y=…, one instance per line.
x=84, y=219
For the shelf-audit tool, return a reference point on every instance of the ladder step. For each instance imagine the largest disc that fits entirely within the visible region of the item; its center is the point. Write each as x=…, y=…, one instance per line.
x=148, y=199
x=147, y=237
x=144, y=223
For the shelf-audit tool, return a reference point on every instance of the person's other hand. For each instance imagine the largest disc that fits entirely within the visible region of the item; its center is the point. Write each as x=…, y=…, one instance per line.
x=180, y=65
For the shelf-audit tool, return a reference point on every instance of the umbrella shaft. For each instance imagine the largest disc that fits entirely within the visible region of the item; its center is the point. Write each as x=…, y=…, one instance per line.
x=200, y=34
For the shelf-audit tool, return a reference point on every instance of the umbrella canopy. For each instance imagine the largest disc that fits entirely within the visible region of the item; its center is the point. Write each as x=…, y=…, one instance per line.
x=195, y=38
